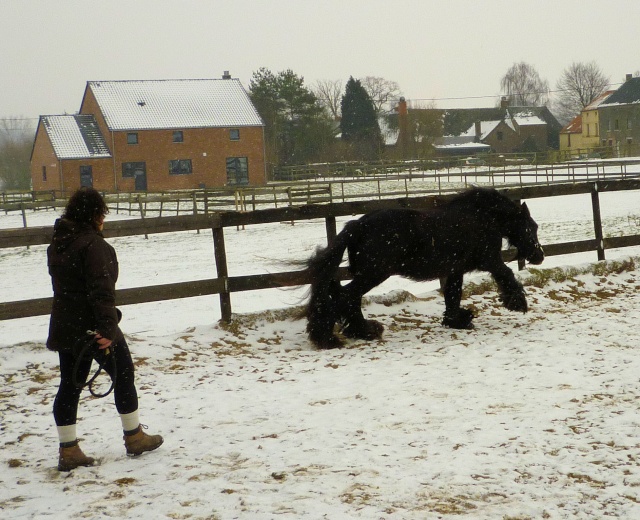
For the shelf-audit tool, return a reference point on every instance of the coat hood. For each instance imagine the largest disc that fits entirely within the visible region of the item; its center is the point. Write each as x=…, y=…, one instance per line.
x=65, y=232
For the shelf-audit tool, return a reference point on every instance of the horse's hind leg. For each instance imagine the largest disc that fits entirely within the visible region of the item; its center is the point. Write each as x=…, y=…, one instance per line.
x=322, y=314
x=354, y=323
x=455, y=316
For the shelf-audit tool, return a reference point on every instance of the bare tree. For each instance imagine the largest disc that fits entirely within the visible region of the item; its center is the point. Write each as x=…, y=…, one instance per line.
x=579, y=85
x=523, y=86
x=16, y=140
x=329, y=93
x=383, y=93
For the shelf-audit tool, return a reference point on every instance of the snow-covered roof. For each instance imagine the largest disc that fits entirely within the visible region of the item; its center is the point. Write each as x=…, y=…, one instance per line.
x=465, y=146
x=598, y=101
x=164, y=104
x=486, y=127
x=627, y=94
x=574, y=126
x=75, y=136
x=524, y=118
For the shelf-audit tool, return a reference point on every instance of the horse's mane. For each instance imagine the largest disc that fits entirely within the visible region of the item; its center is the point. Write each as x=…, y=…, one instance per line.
x=487, y=199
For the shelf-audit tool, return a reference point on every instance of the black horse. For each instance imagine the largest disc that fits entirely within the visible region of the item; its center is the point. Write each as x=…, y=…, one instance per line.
x=462, y=235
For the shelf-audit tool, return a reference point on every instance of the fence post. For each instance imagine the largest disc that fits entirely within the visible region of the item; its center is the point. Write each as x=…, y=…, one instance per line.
x=521, y=261
x=220, y=254
x=142, y=214
x=330, y=225
x=597, y=221
x=195, y=207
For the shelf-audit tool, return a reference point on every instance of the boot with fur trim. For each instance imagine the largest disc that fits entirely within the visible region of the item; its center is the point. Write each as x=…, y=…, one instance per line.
x=71, y=457
x=137, y=442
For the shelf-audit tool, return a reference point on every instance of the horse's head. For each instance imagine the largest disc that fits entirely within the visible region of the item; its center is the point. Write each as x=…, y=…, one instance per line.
x=525, y=237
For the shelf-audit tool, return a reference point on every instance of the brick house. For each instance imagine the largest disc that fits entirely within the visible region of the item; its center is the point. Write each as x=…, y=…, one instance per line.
x=152, y=135
x=502, y=129
x=620, y=117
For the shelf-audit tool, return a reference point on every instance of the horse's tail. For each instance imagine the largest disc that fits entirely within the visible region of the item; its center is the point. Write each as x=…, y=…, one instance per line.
x=325, y=299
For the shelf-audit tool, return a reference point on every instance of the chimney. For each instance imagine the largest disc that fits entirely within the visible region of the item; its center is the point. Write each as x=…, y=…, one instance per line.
x=504, y=102
x=403, y=127
x=402, y=107
x=226, y=75
x=628, y=77
x=478, y=127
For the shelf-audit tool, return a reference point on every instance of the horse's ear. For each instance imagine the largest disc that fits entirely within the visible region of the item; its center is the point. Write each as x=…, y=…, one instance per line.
x=525, y=210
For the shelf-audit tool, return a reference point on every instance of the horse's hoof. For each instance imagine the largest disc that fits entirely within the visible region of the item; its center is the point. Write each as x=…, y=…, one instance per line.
x=370, y=329
x=515, y=302
x=328, y=344
x=374, y=329
x=462, y=320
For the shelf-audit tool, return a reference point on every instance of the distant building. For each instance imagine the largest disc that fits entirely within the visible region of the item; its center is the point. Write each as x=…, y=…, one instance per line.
x=620, y=117
x=502, y=129
x=591, y=121
x=571, y=141
x=152, y=136
x=582, y=135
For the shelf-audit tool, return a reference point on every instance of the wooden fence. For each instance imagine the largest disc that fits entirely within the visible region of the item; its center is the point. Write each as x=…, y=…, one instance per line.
x=224, y=285
x=333, y=183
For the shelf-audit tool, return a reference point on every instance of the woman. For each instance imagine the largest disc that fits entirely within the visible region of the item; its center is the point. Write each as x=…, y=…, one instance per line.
x=84, y=270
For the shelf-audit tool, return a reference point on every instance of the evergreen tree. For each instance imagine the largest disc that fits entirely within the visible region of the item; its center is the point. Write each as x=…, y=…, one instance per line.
x=359, y=123
x=297, y=128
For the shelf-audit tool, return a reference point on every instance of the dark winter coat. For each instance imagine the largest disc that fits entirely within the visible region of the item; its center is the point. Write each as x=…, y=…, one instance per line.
x=84, y=270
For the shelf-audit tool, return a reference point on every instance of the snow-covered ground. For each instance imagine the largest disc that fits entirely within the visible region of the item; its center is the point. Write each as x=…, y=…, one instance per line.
x=526, y=416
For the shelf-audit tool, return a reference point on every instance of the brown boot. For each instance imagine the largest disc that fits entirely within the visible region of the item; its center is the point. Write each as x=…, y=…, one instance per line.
x=72, y=457
x=138, y=442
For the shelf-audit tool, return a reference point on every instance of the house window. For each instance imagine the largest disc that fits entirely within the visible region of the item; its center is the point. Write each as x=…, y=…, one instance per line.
x=178, y=136
x=588, y=130
x=629, y=140
x=237, y=171
x=132, y=138
x=44, y=173
x=500, y=136
x=617, y=125
x=86, y=176
x=568, y=140
x=234, y=134
x=597, y=133
x=129, y=169
x=180, y=167
x=629, y=123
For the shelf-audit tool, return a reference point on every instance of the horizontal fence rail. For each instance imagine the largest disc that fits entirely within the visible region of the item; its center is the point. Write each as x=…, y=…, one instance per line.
x=224, y=285
x=331, y=183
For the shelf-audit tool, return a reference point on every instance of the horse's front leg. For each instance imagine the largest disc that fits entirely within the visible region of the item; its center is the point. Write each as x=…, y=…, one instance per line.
x=354, y=323
x=511, y=291
x=455, y=316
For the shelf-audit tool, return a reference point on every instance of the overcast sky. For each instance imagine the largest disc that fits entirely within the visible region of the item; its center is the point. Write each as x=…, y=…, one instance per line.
x=433, y=49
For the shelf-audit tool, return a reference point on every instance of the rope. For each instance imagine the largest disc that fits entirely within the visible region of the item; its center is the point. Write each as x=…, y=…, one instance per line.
x=88, y=347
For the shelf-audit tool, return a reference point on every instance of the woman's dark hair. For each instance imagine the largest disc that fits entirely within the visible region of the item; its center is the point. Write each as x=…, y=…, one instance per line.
x=86, y=206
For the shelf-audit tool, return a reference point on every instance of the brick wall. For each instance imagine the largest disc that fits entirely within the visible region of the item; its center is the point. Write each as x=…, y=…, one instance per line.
x=207, y=148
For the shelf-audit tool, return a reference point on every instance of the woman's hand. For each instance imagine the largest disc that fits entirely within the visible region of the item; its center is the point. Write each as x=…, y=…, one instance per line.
x=103, y=342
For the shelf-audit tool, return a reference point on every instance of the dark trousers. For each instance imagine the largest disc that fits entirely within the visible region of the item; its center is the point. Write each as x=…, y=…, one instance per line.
x=65, y=406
